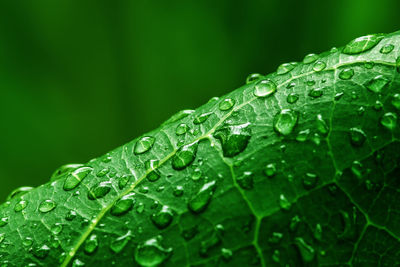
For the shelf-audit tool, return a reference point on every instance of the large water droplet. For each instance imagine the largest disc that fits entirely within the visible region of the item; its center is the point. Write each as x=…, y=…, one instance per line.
x=178, y=191
x=163, y=218
x=234, y=138
x=47, y=205
x=119, y=243
x=123, y=205
x=357, y=136
x=75, y=178
x=346, y=74
x=151, y=253
x=307, y=252
x=386, y=49
x=226, y=104
x=20, y=191
x=99, y=190
x=310, y=58
x=184, y=156
x=362, y=44
x=322, y=127
x=253, y=77
x=181, y=129
x=285, y=68
x=91, y=244
x=292, y=98
x=389, y=120
x=246, y=181
x=144, y=144
x=264, y=88
x=319, y=66
x=377, y=84
x=200, y=201
x=63, y=170
x=285, y=121
x=202, y=118
x=21, y=205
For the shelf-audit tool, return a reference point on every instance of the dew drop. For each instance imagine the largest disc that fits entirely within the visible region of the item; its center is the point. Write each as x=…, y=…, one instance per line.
x=20, y=191
x=151, y=253
x=21, y=205
x=303, y=135
x=285, y=121
x=246, y=181
x=310, y=58
x=123, y=181
x=310, y=83
x=184, y=156
x=310, y=180
x=378, y=105
x=377, y=84
x=163, y=218
x=369, y=65
x=3, y=221
x=292, y=98
x=178, y=191
x=119, y=243
x=200, y=201
x=264, y=88
x=316, y=92
x=100, y=190
x=362, y=44
x=319, y=66
x=2, y=237
x=27, y=242
x=270, y=170
x=57, y=228
x=41, y=252
x=389, y=120
x=357, y=136
x=196, y=175
x=253, y=77
x=75, y=178
x=91, y=244
x=386, y=49
x=307, y=252
x=151, y=167
x=144, y=144
x=47, y=205
x=226, y=254
x=181, y=129
x=123, y=205
x=71, y=215
x=322, y=127
x=78, y=263
x=234, y=139
x=103, y=172
x=63, y=170
x=284, y=202
x=346, y=74
x=357, y=169
x=226, y=104
x=285, y=68
x=202, y=118
x=275, y=238
x=396, y=101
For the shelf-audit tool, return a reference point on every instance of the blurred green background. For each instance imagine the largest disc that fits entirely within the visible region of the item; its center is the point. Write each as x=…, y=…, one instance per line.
x=79, y=78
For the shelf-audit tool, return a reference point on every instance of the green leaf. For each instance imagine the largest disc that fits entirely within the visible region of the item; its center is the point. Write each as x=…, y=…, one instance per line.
x=296, y=168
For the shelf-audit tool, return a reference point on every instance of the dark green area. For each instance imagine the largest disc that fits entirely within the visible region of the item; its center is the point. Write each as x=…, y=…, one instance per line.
x=78, y=78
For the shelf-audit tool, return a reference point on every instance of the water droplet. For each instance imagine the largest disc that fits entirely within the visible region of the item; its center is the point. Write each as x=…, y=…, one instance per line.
x=151, y=253
x=163, y=218
x=103, y=172
x=357, y=136
x=310, y=180
x=3, y=221
x=264, y=88
x=285, y=121
x=226, y=254
x=99, y=190
x=378, y=105
x=338, y=96
x=362, y=44
x=75, y=178
x=119, y=244
x=357, y=169
x=310, y=83
x=377, y=84
x=202, y=118
x=21, y=205
x=123, y=181
x=196, y=175
x=386, y=49
x=284, y=202
x=57, y=228
x=123, y=205
x=307, y=252
x=234, y=139
x=246, y=181
x=78, y=263
x=253, y=77
x=322, y=127
x=346, y=74
x=19, y=192
x=184, y=156
x=292, y=98
x=181, y=129
x=285, y=68
x=319, y=66
x=389, y=120
x=310, y=58
x=303, y=135
x=27, y=242
x=316, y=92
x=151, y=167
x=178, y=191
x=41, y=252
x=226, y=104
x=270, y=170
x=396, y=101
x=63, y=170
x=369, y=65
x=200, y=201
x=71, y=215
x=91, y=244
x=47, y=205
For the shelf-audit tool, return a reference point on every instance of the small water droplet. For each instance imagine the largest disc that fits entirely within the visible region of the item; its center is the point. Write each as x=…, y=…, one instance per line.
x=78, y=263
x=119, y=243
x=284, y=202
x=389, y=120
x=310, y=180
x=103, y=172
x=226, y=254
x=75, y=178
x=200, y=201
x=377, y=84
x=123, y=205
x=246, y=181
x=144, y=144
x=270, y=170
x=47, y=205
x=369, y=65
x=91, y=244
x=21, y=205
x=285, y=121
x=202, y=118
x=362, y=44
x=151, y=253
x=123, y=181
x=71, y=215
x=303, y=135
x=357, y=169
x=100, y=190
x=357, y=136
x=346, y=74
x=184, y=156
x=310, y=58
x=196, y=175
x=151, y=167
x=386, y=49
x=226, y=104
x=163, y=218
x=3, y=221
x=178, y=191
x=307, y=252
x=140, y=207
x=264, y=88
x=338, y=96
x=285, y=68
x=396, y=101
x=253, y=77
x=292, y=98
x=41, y=252
x=322, y=127
x=181, y=129
x=310, y=83
x=234, y=139
x=316, y=92
x=319, y=66
x=57, y=228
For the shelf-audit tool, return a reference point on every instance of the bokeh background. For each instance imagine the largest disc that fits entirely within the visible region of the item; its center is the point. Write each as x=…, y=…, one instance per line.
x=79, y=78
